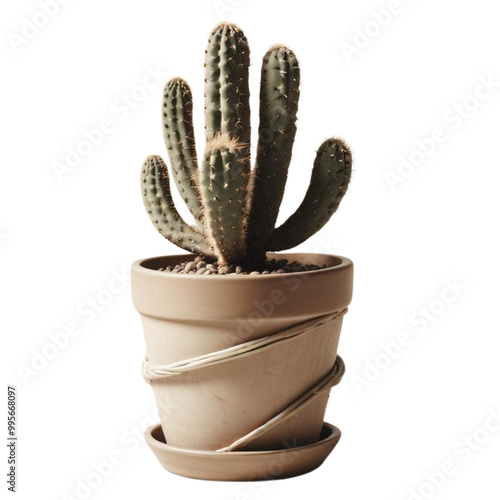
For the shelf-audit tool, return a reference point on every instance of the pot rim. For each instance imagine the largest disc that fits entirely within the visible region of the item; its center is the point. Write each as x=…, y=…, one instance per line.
x=224, y=299
x=342, y=263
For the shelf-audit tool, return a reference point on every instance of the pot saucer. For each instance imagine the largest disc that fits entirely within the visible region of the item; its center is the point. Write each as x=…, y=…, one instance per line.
x=242, y=465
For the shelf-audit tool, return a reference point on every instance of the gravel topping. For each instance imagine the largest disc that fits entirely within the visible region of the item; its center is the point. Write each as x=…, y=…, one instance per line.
x=273, y=266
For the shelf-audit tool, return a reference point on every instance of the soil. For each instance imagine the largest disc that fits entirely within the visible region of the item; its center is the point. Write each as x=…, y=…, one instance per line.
x=273, y=266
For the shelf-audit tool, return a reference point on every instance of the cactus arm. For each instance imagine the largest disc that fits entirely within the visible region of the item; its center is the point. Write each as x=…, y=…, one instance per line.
x=279, y=97
x=178, y=134
x=160, y=206
x=329, y=181
x=223, y=184
x=227, y=94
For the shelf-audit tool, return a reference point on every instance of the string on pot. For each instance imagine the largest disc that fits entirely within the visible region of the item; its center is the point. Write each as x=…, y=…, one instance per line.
x=332, y=378
x=323, y=386
x=157, y=372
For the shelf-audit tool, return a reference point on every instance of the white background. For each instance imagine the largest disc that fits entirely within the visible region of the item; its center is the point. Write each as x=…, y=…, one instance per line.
x=64, y=238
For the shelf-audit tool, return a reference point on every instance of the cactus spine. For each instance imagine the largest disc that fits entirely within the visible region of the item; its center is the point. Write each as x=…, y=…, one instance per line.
x=236, y=208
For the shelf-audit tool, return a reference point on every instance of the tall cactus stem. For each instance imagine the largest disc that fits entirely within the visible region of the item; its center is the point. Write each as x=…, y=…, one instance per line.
x=279, y=98
x=227, y=94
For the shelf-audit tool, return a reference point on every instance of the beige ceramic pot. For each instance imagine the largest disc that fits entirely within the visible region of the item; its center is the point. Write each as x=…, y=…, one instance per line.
x=189, y=316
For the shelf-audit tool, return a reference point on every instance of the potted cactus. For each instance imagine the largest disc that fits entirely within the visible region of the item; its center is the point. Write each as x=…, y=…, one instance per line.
x=241, y=342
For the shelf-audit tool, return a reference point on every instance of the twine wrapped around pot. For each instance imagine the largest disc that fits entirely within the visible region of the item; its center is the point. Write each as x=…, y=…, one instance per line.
x=332, y=378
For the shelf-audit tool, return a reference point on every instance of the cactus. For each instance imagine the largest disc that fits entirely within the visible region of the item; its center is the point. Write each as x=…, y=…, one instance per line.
x=234, y=207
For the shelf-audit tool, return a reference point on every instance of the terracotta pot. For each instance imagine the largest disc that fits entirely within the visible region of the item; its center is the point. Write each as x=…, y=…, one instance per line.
x=185, y=316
